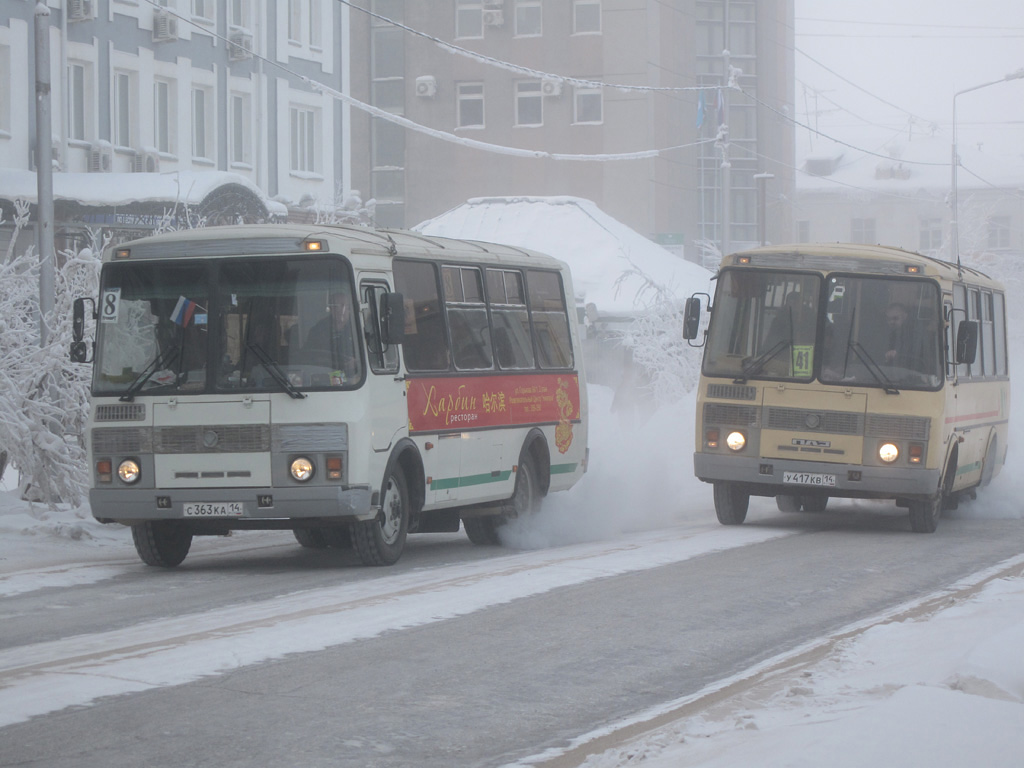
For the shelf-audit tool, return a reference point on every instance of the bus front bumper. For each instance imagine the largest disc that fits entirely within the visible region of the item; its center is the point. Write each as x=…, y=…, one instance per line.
x=767, y=477
x=223, y=505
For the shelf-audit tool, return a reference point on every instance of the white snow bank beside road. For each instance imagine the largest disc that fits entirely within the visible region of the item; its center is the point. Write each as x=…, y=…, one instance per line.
x=942, y=689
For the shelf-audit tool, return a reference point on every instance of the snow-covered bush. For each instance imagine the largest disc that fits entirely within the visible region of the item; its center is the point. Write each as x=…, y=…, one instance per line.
x=43, y=396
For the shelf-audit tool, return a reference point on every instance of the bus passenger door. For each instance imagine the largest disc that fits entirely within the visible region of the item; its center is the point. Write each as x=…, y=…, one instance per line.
x=388, y=414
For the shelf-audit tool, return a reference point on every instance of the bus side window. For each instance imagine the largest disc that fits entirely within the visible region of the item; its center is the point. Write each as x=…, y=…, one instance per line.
x=426, y=342
x=549, y=318
x=999, y=321
x=510, y=320
x=963, y=370
x=382, y=359
x=467, y=317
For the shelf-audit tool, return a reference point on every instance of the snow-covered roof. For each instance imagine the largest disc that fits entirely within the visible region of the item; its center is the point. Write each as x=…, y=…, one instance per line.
x=597, y=248
x=120, y=189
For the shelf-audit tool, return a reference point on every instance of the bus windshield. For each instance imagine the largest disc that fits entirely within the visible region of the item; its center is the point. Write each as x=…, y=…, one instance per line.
x=841, y=329
x=254, y=324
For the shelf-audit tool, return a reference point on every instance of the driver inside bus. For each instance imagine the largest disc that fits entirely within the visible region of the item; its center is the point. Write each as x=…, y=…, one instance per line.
x=331, y=341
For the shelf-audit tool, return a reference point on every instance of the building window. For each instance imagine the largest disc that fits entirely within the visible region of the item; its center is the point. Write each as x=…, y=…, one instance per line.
x=295, y=21
x=315, y=24
x=163, y=115
x=303, y=123
x=241, y=119
x=79, y=99
x=203, y=9
x=202, y=119
x=586, y=17
x=863, y=231
x=931, y=235
x=471, y=105
x=528, y=18
x=240, y=13
x=469, y=18
x=124, y=108
x=588, y=106
x=999, y=232
x=529, y=103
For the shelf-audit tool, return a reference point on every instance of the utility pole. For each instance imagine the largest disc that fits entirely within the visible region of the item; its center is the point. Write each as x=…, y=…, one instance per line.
x=44, y=171
x=723, y=139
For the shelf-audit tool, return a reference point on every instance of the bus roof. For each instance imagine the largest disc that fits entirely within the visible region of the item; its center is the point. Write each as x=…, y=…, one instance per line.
x=855, y=257
x=277, y=239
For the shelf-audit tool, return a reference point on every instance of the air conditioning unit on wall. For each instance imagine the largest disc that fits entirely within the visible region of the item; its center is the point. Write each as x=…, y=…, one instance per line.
x=146, y=161
x=551, y=87
x=426, y=86
x=165, y=27
x=240, y=46
x=493, y=18
x=79, y=10
x=101, y=157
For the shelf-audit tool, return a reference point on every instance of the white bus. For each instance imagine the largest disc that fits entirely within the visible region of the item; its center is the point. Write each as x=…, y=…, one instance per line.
x=351, y=385
x=850, y=371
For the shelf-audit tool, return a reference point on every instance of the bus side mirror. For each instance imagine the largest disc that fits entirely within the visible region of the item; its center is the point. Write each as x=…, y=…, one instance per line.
x=967, y=342
x=79, y=348
x=392, y=318
x=691, y=318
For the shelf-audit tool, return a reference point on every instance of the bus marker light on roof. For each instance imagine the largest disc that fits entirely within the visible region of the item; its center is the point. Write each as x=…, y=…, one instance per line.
x=122, y=253
x=313, y=245
x=744, y=259
x=913, y=269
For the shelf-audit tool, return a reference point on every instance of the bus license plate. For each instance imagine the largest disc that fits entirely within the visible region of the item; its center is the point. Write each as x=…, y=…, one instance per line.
x=808, y=478
x=214, y=509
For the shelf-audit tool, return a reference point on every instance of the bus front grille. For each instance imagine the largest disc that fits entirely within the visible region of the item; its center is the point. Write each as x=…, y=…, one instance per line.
x=733, y=415
x=804, y=420
x=217, y=438
x=897, y=427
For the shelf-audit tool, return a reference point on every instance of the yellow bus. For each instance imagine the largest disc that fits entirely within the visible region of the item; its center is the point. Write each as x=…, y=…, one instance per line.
x=351, y=385
x=849, y=371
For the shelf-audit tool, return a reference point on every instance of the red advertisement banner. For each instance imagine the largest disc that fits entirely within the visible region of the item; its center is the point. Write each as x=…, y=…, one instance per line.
x=492, y=401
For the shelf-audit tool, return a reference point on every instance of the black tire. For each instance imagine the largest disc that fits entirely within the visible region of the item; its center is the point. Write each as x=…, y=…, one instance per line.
x=483, y=531
x=731, y=503
x=162, y=543
x=787, y=502
x=311, y=538
x=525, y=499
x=924, y=514
x=338, y=537
x=813, y=503
x=380, y=541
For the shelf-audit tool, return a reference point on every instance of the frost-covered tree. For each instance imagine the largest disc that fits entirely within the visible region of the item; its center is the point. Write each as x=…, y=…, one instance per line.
x=43, y=395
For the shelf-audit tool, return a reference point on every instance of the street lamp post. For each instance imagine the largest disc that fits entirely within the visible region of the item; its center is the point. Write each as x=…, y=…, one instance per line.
x=954, y=229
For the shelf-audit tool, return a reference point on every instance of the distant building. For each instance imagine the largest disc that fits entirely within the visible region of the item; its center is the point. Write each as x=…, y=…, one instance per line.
x=186, y=86
x=649, y=46
x=903, y=197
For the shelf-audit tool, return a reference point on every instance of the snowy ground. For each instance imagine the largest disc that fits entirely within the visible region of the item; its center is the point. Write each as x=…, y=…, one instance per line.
x=940, y=682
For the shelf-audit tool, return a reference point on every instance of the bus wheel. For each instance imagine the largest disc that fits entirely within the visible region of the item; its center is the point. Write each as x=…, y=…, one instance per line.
x=814, y=503
x=311, y=538
x=731, y=503
x=787, y=502
x=380, y=541
x=163, y=543
x=526, y=496
x=924, y=514
x=483, y=531
x=988, y=469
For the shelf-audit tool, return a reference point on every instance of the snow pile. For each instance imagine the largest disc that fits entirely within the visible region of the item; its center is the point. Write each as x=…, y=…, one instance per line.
x=943, y=689
x=613, y=266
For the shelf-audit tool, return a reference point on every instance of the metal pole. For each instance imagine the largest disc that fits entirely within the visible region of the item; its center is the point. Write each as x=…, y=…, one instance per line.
x=44, y=171
x=762, y=215
x=723, y=130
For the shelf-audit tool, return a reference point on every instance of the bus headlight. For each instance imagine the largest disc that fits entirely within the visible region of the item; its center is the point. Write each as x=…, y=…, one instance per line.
x=301, y=469
x=888, y=452
x=128, y=471
x=736, y=441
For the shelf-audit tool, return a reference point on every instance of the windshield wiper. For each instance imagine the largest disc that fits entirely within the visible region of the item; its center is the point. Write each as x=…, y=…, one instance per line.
x=755, y=366
x=874, y=368
x=162, y=359
x=275, y=370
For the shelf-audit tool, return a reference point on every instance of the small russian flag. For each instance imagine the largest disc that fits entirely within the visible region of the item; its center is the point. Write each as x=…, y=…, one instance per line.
x=183, y=311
